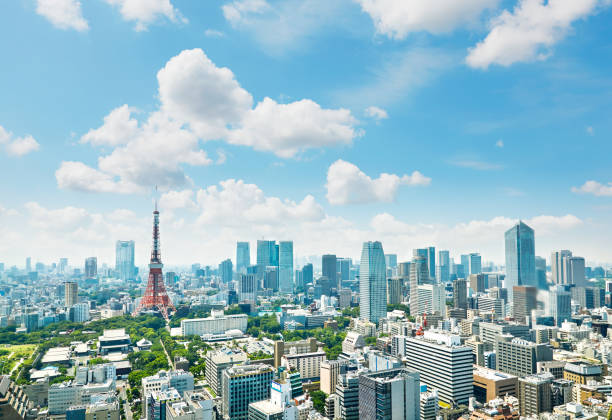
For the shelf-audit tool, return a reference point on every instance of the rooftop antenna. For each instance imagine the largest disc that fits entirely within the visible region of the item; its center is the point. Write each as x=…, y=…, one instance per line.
x=155, y=193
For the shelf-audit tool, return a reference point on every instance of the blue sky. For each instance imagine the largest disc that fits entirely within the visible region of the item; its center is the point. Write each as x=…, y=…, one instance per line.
x=276, y=119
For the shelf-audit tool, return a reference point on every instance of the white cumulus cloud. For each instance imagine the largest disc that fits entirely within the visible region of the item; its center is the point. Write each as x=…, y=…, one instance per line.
x=595, y=188
x=287, y=129
x=146, y=12
x=347, y=184
x=63, y=14
x=529, y=32
x=398, y=18
x=17, y=146
x=198, y=102
x=376, y=113
x=118, y=128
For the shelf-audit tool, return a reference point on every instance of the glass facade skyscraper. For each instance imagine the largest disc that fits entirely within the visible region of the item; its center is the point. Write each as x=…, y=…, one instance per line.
x=419, y=274
x=372, y=283
x=285, y=262
x=520, y=257
x=124, y=260
x=443, y=267
x=243, y=257
x=266, y=253
x=328, y=269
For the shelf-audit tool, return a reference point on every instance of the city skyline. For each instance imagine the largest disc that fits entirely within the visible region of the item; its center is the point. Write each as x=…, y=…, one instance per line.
x=405, y=118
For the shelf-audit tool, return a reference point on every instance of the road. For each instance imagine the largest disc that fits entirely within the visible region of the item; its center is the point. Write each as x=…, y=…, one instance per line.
x=16, y=366
x=126, y=405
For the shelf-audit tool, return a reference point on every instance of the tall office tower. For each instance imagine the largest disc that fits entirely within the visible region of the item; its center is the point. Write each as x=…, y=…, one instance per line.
x=394, y=290
x=535, y=395
x=525, y=301
x=124, y=260
x=343, y=266
x=242, y=385
x=226, y=270
x=71, y=291
x=443, y=267
x=460, y=293
x=91, y=268
x=431, y=299
x=520, y=257
x=390, y=394
x=307, y=275
x=372, y=283
x=574, y=271
x=155, y=296
x=28, y=264
x=62, y=266
x=478, y=283
x=391, y=261
x=465, y=262
x=540, y=264
x=347, y=389
x=431, y=261
x=556, y=266
x=443, y=364
x=247, y=287
x=243, y=257
x=560, y=304
x=266, y=253
x=457, y=271
x=270, y=278
x=475, y=263
x=418, y=275
x=328, y=269
x=285, y=264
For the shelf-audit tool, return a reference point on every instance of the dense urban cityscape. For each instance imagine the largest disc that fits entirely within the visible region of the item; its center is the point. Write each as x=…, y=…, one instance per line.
x=248, y=340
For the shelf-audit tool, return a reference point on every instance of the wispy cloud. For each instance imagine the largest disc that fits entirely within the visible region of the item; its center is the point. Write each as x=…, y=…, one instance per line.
x=399, y=74
x=477, y=164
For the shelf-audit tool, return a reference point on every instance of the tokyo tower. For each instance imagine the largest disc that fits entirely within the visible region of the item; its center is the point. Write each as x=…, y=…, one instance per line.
x=155, y=297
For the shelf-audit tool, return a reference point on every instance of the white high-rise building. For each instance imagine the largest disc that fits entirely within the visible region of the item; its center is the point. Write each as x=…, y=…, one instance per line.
x=556, y=266
x=372, y=283
x=443, y=363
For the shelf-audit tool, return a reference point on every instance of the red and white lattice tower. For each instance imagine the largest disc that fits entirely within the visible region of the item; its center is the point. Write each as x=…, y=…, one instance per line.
x=155, y=296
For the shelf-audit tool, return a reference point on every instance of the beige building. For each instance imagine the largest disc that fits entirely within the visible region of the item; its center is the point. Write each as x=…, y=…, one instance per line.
x=330, y=369
x=308, y=364
x=490, y=384
x=71, y=293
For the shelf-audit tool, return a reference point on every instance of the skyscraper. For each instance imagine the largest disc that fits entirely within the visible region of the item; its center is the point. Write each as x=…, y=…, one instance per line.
x=285, y=261
x=124, y=260
x=372, y=283
x=389, y=394
x=560, y=304
x=541, y=273
x=266, y=253
x=343, y=267
x=520, y=257
x=307, y=276
x=91, y=268
x=226, y=271
x=556, y=266
x=418, y=275
x=431, y=261
x=465, y=262
x=391, y=260
x=28, y=264
x=247, y=287
x=475, y=263
x=443, y=267
x=243, y=257
x=574, y=272
x=460, y=293
x=328, y=269
x=71, y=290
x=524, y=302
